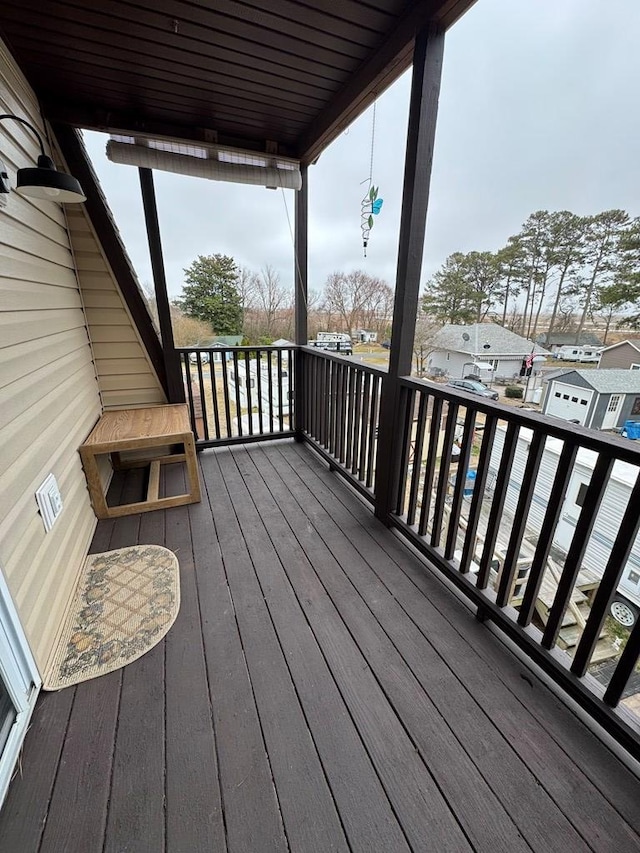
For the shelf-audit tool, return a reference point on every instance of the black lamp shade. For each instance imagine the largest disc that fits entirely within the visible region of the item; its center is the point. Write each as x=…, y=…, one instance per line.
x=46, y=182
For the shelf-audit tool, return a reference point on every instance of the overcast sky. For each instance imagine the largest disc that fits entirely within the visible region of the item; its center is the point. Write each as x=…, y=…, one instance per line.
x=538, y=110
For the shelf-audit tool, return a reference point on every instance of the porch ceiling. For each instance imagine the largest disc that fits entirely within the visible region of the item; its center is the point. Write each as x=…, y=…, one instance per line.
x=293, y=73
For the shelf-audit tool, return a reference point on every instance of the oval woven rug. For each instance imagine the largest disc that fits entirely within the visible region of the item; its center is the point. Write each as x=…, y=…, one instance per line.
x=125, y=602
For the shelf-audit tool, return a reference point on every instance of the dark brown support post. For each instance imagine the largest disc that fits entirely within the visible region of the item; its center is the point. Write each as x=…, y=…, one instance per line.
x=301, y=289
x=175, y=384
x=423, y=110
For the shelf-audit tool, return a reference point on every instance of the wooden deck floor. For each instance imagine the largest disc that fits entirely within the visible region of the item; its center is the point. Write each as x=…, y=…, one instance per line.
x=320, y=691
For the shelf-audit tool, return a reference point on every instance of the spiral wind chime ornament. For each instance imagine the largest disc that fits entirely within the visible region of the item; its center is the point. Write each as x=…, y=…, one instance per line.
x=370, y=205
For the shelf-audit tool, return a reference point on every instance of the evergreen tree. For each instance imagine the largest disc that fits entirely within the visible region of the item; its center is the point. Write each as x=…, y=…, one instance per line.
x=211, y=293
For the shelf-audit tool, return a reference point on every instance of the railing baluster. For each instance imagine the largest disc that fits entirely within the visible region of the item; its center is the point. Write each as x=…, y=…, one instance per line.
x=545, y=538
x=186, y=366
x=339, y=411
x=203, y=402
x=259, y=389
x=290, y=397
x=349, y=419
x=248, y=381
x=430, y=465
x=527, y=490
x=586, y=520
x=355, y=431
x=624, y=669
x=366, y=404
x=616, y=564
x=214, y=395
x=461, y=480
x=270, y=387
x=405, y=418
x=227, y=401
x=443, y=474
x=497, y=504
x=417, y=457
x=373, y=431
x=479, y=485
x=238, y=382
x=280, y=394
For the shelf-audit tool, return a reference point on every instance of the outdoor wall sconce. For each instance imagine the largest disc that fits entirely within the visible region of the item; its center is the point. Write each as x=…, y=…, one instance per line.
x=44, y=180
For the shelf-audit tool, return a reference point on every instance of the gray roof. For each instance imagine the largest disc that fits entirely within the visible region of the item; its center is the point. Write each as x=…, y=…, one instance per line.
x=634, y=342
x=500, y=340
x=608, y=381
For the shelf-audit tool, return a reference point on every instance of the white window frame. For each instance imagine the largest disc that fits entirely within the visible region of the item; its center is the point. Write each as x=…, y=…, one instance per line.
x=21, y=679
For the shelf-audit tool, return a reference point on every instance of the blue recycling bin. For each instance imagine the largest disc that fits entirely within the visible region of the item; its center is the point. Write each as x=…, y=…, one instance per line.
x=631, y=429
x=470, y=482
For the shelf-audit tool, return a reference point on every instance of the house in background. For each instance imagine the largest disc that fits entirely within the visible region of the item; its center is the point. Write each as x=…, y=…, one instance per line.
x=555, y=340
x=483, y=349
x=599, y=399
x=625, y=355
x=362, y=336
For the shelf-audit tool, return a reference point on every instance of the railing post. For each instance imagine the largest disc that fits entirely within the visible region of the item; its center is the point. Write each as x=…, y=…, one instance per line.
x=175, y=384
x=423, y=109
x=301, y=288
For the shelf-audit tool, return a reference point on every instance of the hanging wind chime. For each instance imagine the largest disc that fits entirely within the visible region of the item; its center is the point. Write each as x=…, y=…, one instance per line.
x=370, y=205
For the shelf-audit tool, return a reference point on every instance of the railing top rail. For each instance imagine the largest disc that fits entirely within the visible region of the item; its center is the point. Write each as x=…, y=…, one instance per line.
x=331, y=356
x=254, y=348
x=577, y=434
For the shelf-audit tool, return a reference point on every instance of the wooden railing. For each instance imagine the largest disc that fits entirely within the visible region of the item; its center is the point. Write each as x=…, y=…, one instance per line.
x=341, y=403
x=483, y=490
x=239, y=394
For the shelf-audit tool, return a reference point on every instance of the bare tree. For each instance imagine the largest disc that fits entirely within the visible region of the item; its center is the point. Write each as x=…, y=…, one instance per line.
x=247, y=285
x=424, y=342
x=357, y=299
x=271, y=297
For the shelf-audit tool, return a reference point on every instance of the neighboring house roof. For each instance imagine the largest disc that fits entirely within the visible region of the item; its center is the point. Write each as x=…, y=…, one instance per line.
x=501, y=341
x=282, y=342
x=612, y=381
x=555, y=373
x=589, y=339
x=635, y=343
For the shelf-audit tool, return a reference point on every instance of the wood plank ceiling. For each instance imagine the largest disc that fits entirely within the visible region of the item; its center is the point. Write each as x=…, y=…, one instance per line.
x=240, y=73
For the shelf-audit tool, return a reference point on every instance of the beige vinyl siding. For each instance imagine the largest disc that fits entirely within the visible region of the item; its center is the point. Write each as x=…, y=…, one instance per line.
x=49, y=398
x=125, y=373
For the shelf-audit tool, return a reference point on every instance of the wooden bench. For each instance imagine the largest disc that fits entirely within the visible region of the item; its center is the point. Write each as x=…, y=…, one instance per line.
x=151, y=428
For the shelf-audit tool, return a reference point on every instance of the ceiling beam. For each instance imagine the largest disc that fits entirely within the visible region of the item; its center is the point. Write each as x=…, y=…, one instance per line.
x=377, y=73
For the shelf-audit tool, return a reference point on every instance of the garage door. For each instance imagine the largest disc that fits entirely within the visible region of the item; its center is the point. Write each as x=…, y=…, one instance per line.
x=568, y=402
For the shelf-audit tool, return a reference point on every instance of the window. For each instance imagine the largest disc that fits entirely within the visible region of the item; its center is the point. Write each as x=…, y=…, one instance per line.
x=635, y=367
x=574, y=399
x=565, y=396
x=634, y=577
x=558, y=394
x=582, y=491
x=583, y=402
x=614, y=402
x=635, y=410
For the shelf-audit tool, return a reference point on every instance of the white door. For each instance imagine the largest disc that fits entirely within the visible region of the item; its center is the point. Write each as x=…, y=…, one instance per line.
x=19, y=686
x=568, y=402
x=610, y=418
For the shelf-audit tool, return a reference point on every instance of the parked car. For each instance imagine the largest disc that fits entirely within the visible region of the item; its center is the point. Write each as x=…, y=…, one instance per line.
x=204, y=357
x=473, y=387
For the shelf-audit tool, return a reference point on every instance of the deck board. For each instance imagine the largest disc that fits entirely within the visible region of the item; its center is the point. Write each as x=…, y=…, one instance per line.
x=320, y=690
x=519, y=705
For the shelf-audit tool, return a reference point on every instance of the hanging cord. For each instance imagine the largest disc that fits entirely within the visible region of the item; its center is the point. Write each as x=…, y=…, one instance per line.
x=366, y=205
